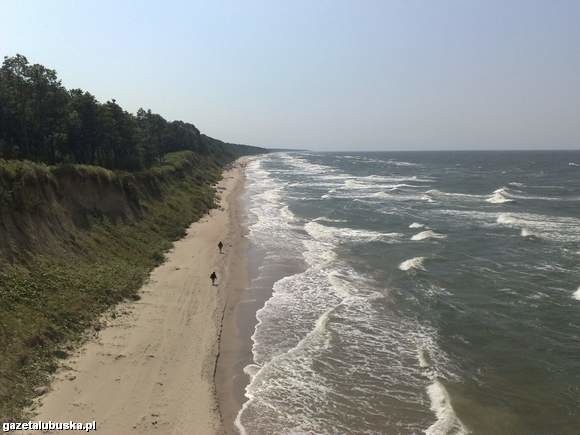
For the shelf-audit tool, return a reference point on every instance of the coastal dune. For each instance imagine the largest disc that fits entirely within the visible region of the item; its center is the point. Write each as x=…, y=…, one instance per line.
x=151, y=368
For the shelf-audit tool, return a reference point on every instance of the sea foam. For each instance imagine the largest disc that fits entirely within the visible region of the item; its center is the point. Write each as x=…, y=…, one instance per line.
x=413, y=264
x=337, y=235
x=528, y=234
x=447, y=421
x=499, y=196
x=576, y=294
x=424, y=235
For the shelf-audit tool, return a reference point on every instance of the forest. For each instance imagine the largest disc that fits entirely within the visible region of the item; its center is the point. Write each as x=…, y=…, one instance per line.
x=42, y=121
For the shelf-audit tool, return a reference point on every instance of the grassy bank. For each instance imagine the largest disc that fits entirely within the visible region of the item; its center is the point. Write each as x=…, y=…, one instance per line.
x=65, y=259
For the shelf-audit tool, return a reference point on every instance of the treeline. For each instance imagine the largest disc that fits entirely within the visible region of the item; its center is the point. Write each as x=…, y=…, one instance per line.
x=41, y=120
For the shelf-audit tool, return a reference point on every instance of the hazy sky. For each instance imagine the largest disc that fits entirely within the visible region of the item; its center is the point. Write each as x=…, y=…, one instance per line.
x=325, y=75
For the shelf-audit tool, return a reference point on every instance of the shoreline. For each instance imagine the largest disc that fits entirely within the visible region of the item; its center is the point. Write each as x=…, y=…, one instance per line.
x=152, y=369
x=240, y=319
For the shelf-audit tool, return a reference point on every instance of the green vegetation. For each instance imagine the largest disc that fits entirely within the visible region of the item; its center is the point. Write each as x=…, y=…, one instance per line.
x=90, y=199
x=54, y=288
x=42, y=121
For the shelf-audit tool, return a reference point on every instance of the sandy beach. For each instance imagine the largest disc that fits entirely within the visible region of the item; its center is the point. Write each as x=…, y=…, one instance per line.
x=151, y=368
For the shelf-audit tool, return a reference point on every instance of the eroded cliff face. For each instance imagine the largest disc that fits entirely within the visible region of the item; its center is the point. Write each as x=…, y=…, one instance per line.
x=74, y=241
x=46, y=211
x=43, y=209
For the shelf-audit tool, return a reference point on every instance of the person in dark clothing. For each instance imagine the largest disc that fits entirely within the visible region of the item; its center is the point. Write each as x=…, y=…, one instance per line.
x=213, y=278
x=220, y=246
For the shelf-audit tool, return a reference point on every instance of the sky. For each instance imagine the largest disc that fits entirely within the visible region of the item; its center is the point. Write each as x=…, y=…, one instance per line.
x=323, y=75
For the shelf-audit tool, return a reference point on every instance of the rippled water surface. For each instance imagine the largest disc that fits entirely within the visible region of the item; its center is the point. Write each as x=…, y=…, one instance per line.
x=437, y=293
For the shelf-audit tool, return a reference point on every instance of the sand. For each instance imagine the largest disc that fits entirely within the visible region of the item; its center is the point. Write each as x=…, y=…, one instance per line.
x=151, y=369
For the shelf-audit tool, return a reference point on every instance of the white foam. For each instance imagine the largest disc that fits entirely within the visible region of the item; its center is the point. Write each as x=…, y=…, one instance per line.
x=413, y=264
x=447, y=422
x=573, y=164
x=337, y=235
x=424, y=235
x=506, y=219
x=452, y=194
x=326, y=219
x=528, y=234
x=557, y=228
x=423, y=357
x=416, y=225
x=499, y=196
x=400, y=163
x=576, y=294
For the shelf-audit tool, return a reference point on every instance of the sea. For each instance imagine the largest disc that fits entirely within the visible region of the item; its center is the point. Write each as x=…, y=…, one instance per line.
x=415, y=293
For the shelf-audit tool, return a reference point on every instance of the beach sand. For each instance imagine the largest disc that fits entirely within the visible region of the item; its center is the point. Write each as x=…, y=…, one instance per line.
x=152, y=368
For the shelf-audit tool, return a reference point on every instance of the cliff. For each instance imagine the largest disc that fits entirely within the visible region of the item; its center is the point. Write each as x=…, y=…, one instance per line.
x=74, y=241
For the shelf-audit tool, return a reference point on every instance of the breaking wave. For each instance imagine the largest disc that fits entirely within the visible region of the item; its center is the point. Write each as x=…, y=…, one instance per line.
x=429, y=234
x=339, y=234
x=447, y=421
x=413, y=264
x=499, y=196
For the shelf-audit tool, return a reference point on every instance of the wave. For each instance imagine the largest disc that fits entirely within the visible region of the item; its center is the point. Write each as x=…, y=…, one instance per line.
x=337, y=235
x=413, y=264
x=516, y=184
x=429, y=234
x=573, y=164
x=447, y=421
x=576, y=294
x=507, y=219
x=416, y=225
x=528, y=234
x=362, y=184
x=452, y=194
x=499, y=196
x=560, y=229
x=326, y=219
x=301, y=165
x=424, y=359
x=400, y=163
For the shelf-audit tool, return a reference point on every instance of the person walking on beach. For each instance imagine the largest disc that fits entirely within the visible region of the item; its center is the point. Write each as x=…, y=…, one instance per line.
x=220, y=246
x=213, y=277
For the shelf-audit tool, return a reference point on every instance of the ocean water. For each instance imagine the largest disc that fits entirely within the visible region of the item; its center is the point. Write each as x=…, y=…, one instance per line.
x=434, y=293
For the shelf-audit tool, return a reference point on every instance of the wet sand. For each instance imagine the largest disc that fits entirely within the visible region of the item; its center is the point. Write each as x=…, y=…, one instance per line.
x=238, y=326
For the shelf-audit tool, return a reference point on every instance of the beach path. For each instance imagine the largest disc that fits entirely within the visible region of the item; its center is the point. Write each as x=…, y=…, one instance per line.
x=151, y=369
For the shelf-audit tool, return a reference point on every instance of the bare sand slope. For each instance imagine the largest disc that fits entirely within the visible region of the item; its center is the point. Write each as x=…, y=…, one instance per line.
x=151, y=369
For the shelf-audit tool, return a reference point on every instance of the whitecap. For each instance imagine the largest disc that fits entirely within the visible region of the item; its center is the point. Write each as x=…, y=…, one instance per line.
x=337, y=235
x=424, y=359
x=452, y=194
x=557, y=228
x=401, y=163
x=507, y=219
x=576, y=294
x=424, y=235
x=528, y=234
x=413, y=264
x=447, y=421
x=416, y=225
x=326, y=219
x=499, y=196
